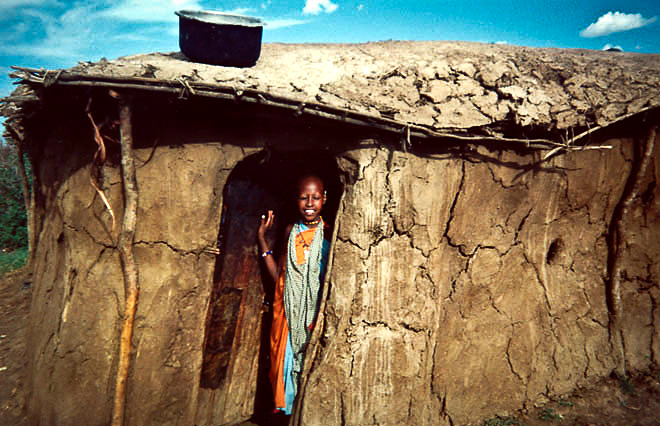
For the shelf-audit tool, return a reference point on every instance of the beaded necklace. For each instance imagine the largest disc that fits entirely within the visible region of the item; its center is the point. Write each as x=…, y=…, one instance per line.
x=304, y=243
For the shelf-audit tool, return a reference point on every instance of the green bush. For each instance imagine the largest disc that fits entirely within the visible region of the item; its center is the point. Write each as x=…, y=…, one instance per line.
x=502, y=421
x=550, y=415
x=12, y=260
x=13, y=218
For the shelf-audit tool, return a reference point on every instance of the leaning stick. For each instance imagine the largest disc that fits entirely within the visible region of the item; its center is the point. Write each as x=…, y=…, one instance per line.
x=129, y=267
x=19, y=140
x=636, y=177
x=25, y=186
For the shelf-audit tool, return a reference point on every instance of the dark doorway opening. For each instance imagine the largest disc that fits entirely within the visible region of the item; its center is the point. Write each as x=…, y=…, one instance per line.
x=236, y=347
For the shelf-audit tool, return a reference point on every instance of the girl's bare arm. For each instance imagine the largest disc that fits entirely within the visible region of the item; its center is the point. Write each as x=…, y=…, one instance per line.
x=266, y=252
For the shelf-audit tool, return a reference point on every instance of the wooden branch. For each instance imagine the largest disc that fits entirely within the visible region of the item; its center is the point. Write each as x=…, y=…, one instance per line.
x=313, y=351
x=129, y=267
x=186, y=88
x=619, y=239
x=151, y=154
x=25, y=186
x=18, y=99
x=254, y=96
x=15, y=134
x=586, y=134
x=28, y=69
x=568, y=148
x=18, y=139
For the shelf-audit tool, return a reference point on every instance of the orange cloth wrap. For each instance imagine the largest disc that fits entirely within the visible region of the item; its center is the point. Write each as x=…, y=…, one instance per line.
x=279, y=332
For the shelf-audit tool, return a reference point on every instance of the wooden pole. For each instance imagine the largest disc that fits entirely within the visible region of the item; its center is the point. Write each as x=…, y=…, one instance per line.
x=314, y=109
x=18, y=139
x=129, y=267
x=25, y=186
x=617, y=241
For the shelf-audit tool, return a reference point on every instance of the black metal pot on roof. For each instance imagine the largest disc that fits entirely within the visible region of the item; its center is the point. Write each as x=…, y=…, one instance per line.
x=220, y=38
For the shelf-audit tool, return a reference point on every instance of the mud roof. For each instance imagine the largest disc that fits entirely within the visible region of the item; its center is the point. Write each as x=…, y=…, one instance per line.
x=434, y=88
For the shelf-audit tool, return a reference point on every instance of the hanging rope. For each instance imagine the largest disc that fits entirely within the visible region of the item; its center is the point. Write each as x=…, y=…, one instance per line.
x=99, y=159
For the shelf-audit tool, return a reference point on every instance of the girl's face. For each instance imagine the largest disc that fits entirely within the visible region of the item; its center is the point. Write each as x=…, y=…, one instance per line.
x=311, y=198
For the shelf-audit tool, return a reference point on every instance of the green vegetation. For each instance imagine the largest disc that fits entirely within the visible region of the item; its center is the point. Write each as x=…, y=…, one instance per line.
x=502, y=421
x=13, y=218
x=549, y=415
x=626, y=386
x=12, y=260
x=565, y=403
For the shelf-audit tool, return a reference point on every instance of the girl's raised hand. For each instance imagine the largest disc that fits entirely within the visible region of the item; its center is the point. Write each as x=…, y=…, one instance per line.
x=266, y=223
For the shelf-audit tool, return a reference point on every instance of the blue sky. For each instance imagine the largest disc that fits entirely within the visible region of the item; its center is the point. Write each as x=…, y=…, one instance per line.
x=59, y=33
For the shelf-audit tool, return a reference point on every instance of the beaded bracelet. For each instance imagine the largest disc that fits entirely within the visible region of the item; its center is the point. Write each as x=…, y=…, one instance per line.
x=266, y=253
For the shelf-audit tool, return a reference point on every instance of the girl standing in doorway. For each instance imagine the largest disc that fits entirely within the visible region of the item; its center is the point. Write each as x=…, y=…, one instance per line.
x=298, y=277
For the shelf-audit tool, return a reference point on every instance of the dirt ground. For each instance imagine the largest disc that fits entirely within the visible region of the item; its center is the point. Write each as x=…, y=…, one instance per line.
x=611, y=401
x=15, y=291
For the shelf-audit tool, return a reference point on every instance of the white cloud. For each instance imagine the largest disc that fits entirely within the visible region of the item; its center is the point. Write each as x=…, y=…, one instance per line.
x=149, y=10
x=84, y=32
x=136, y=37
x=12, y=9
x=20, y=28
x=240, y=11
x=615, y=22
x=612, y=47
x=16, y=32
x=36, y=13
x=314, y=7
x=273, y=24
x=89, y=29
x=360, y=7
x=15, y=4
x=65, y=37
x=501, y=42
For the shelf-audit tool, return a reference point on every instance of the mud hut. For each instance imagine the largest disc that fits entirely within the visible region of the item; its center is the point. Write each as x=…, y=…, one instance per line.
x=497, y=228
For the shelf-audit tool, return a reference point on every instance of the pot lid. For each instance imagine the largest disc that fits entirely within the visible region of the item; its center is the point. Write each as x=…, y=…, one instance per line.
x=219, y=18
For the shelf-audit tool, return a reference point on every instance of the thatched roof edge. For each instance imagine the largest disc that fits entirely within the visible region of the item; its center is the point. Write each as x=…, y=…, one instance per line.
x=460, y=92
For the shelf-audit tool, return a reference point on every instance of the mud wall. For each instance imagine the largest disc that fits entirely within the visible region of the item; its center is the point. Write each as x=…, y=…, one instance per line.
x=466, y=288
x=79, y=293
x=461, y=287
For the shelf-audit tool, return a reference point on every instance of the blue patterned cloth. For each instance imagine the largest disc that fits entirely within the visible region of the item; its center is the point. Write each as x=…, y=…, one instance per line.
x=289, y=385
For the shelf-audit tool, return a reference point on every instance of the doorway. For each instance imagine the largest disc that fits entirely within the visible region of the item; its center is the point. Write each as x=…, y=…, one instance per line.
x=236, y=343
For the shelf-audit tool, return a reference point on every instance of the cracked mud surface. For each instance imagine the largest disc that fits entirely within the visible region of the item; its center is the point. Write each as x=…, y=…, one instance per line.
x=608, y=402
x=73, y=341
x=482, y=277
x=509, y=91
x=464, y=285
